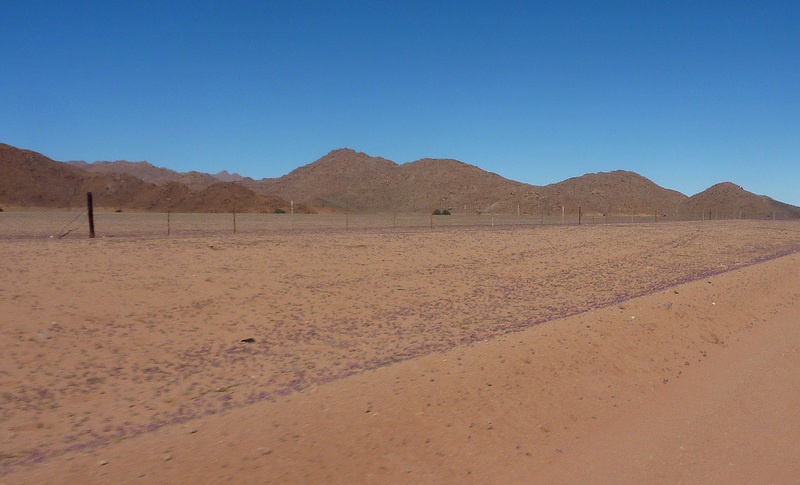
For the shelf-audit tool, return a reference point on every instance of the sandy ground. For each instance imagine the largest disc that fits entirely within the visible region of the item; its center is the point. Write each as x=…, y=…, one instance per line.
x=604, y=354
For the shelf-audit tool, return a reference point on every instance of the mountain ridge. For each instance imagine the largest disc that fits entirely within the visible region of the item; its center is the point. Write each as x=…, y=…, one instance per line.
x=345, y=179
x=29, y=179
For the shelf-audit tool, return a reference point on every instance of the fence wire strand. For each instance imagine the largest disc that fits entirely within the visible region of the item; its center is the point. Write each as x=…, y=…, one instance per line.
x=62, y=224
x=69, y=224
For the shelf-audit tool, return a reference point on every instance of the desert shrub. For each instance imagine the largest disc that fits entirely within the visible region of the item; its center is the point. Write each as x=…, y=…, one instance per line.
x=280, y=211
x=1, y=209
x=437, y=212
x=445, y=212
x=118, y=210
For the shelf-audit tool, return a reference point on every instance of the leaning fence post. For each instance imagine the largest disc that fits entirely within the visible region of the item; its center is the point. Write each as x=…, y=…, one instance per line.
x=90, y=210
x=580, y=213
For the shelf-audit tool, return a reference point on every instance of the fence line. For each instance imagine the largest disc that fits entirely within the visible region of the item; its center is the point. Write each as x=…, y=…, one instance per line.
x=69, y=224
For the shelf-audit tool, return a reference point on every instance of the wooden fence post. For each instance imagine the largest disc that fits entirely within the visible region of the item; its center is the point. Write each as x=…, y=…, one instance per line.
x=90, y=210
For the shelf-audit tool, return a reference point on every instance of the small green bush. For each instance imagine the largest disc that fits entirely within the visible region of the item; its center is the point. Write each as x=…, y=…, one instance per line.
x=445, y=212
x=118, y=210
x=280, y=211
x=437, y=212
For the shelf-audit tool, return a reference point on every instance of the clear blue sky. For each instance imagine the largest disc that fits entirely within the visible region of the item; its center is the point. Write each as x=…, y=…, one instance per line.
x=686, y=93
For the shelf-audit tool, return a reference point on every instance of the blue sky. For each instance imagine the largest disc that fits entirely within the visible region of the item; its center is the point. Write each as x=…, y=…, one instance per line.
x=687, y=94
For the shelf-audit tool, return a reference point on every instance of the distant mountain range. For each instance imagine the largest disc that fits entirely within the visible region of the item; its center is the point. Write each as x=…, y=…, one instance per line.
x=29, y=179
x=346, y=179
x=158, y=176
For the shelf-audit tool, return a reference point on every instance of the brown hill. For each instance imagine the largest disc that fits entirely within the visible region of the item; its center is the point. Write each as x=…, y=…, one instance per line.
x=158, y=175
x=345, y=178
x=461, y=187
x=220, y=197
x=619, y=192
x=339, y=179
x=29, y=179
x=224, y=176
x=141, y=170
x=149, y=173
x=348, y=178
x=727, y=201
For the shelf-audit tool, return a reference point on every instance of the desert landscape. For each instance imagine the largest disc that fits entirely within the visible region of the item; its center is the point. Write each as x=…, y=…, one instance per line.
x=603, y=353
x=345, y=180
x=399, y=243
x=325, y=327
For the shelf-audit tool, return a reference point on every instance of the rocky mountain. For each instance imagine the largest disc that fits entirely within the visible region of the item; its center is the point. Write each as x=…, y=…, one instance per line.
x=340, y=179
x=346, y=179
x=618, y=193
x=727, y=201
x=157, y=175
x=29, y=179
x=224, y=176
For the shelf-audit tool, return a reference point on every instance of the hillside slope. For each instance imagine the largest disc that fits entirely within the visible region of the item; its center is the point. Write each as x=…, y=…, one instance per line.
x=157, y=175
x=728, y=201
x=346, y=179
x=29, y=179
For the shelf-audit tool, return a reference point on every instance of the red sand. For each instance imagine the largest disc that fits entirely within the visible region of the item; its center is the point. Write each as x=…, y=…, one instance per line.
x=695, y=383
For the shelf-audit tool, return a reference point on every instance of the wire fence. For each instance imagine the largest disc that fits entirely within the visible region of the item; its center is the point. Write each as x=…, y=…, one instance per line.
x=75, y=224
